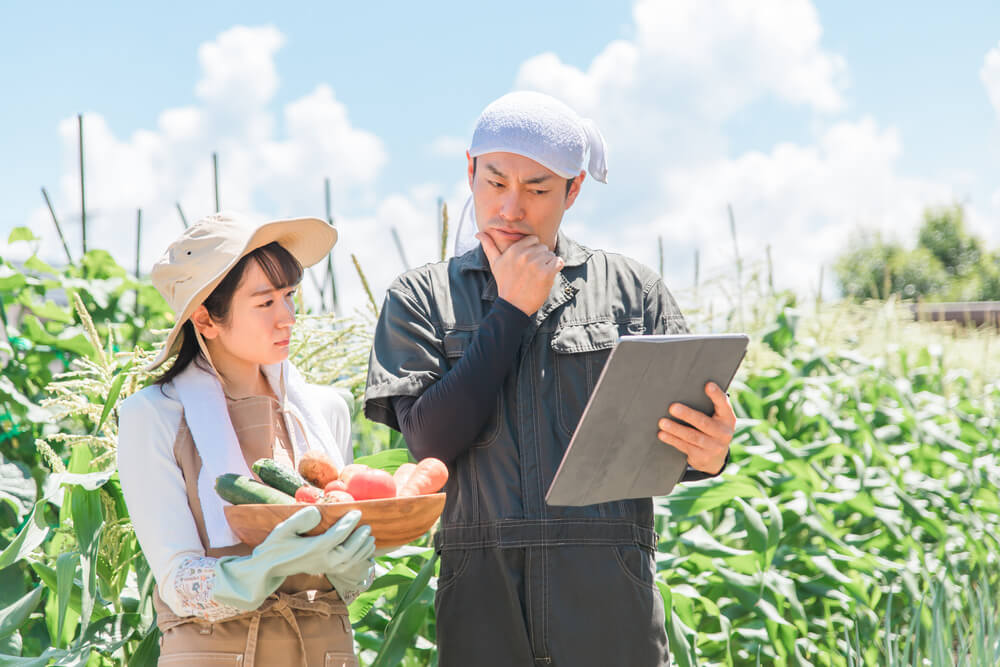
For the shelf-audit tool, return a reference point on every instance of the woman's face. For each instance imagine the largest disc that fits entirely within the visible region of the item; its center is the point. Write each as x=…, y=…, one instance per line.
x=260, y=320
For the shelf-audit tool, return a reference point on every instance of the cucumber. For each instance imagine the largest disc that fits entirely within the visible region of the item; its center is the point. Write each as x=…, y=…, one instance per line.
x=281, y=478
x=241, y=490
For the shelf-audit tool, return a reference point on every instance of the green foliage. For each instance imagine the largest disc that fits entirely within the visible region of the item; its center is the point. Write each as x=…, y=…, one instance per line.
x=943, y=233
x=947, y=264
x=858, y=523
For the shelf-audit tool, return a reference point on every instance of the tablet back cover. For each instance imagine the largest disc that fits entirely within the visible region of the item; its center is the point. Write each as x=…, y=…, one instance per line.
x=615, y=453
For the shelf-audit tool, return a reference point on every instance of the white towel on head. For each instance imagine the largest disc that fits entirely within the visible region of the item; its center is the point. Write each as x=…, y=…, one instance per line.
x=207, y=416
x=543, y=129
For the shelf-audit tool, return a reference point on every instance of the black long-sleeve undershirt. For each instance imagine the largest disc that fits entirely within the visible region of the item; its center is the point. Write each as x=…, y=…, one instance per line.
x=444, y=421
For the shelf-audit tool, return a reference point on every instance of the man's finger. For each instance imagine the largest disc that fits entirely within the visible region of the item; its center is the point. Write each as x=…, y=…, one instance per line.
x=713, y=426
x=684, y=446
x=489, y=247
x=555, y=262
x=691, y=435
x=723, y=409
x=526, y=242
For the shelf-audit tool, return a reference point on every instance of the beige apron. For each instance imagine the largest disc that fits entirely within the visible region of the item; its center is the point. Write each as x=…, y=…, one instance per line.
x=304, y=618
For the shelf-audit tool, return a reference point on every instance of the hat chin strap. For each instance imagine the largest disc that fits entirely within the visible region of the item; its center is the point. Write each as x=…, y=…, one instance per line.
x=204, y=351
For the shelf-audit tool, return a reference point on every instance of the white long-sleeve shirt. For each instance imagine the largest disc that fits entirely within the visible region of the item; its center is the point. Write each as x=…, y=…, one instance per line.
x=155, y=493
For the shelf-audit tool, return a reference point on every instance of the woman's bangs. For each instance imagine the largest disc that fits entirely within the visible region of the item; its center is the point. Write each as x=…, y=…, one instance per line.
x=280, y=267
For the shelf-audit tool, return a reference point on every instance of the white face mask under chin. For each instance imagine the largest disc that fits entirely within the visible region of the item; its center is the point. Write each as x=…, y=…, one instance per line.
x=465, y=236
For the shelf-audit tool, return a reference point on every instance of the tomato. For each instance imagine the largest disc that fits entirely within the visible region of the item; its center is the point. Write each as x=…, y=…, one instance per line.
x=370, y=484
x=308, y=494
x=335, y=485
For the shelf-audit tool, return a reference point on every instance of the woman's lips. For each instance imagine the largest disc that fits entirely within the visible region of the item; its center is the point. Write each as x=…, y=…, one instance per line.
x=283, y=343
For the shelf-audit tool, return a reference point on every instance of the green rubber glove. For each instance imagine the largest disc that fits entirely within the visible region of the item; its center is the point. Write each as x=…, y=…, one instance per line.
x=244, y=582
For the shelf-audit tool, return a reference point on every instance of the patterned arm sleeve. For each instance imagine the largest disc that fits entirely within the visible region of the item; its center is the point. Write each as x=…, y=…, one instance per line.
x=194, y=584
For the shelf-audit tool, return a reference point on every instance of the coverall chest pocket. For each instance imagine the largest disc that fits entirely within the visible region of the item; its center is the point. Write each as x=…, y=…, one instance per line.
x=455, y=345
x=581, y=351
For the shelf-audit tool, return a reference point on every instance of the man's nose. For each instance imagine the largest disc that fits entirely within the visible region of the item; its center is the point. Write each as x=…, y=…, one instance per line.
x=510, y=207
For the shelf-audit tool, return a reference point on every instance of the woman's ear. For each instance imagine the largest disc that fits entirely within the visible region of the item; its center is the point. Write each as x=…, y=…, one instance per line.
x=203, y=323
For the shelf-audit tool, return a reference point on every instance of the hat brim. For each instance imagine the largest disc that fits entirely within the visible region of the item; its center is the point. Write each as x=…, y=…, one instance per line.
x=308, y=240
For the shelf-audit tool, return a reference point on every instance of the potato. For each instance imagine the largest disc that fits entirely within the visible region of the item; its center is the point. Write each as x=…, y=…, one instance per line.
x=317, y=468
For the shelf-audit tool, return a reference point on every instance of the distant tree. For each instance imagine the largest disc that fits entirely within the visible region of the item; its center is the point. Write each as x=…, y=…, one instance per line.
x=989, y=284
x=947, y=264
x=874, y=269
x=943, y=233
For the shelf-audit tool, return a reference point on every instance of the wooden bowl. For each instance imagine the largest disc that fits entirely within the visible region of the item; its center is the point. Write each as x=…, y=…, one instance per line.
x=394, y=521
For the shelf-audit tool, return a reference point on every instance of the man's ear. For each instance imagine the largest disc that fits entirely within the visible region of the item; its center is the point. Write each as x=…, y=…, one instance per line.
x=472, y=169
x=574, y=189
x=204, y=323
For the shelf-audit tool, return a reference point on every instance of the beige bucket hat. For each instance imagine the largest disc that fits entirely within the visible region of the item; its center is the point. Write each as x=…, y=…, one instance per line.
x=200, y=258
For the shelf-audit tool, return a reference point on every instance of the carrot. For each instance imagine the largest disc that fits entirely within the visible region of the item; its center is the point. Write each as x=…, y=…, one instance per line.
x=427, y=477
x=403, y=473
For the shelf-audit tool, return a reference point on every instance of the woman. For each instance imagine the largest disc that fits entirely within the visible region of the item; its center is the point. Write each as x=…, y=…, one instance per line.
x=230, y=398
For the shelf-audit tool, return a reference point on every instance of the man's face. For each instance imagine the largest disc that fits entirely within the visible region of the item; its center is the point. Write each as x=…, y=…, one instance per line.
x=514, y=197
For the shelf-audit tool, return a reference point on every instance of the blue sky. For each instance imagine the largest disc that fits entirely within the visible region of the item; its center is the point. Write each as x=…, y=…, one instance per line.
x=810, y=119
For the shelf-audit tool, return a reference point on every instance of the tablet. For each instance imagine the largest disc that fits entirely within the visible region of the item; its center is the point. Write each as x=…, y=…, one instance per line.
x=615, y=452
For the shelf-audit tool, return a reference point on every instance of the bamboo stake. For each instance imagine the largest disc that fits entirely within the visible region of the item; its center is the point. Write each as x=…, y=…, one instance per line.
x=660, y=241
x=180, y=212
x=819, y=289
x=770, y=271
x=399, y=248
x=62, y=238
x=331, y=276
x=215, y=172
x=138, y=240
x=83, y=197
x=138, y=255
x=739, y=263
x=696, y=273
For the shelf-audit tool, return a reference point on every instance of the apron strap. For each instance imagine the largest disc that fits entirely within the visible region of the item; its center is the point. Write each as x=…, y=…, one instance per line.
x=280, y=604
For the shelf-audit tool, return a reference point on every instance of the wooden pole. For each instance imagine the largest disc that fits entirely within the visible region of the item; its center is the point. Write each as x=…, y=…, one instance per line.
x=739, y=263
x=138, y=240
x=180, y=212
x=330, y=274
x=770, y=271
x=83, y=196
x=399, y=248
x=660, y=242
x=696, y=273
x=69, y=256
x=215, y=173
x=138, y=255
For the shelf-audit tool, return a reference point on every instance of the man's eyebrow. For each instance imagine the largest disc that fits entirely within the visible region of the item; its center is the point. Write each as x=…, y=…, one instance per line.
x=537, y=179
x=496, y=171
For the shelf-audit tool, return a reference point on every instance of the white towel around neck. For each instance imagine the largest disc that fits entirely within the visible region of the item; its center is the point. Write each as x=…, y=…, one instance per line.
x=207, y=416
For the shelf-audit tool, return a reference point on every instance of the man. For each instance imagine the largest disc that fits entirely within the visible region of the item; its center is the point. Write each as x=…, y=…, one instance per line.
x=487, y=361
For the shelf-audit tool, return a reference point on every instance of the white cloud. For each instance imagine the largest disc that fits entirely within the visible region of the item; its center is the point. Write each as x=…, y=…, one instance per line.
x=663, y=99
x=262, y=172
x=449, y=147
x=990, y=75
